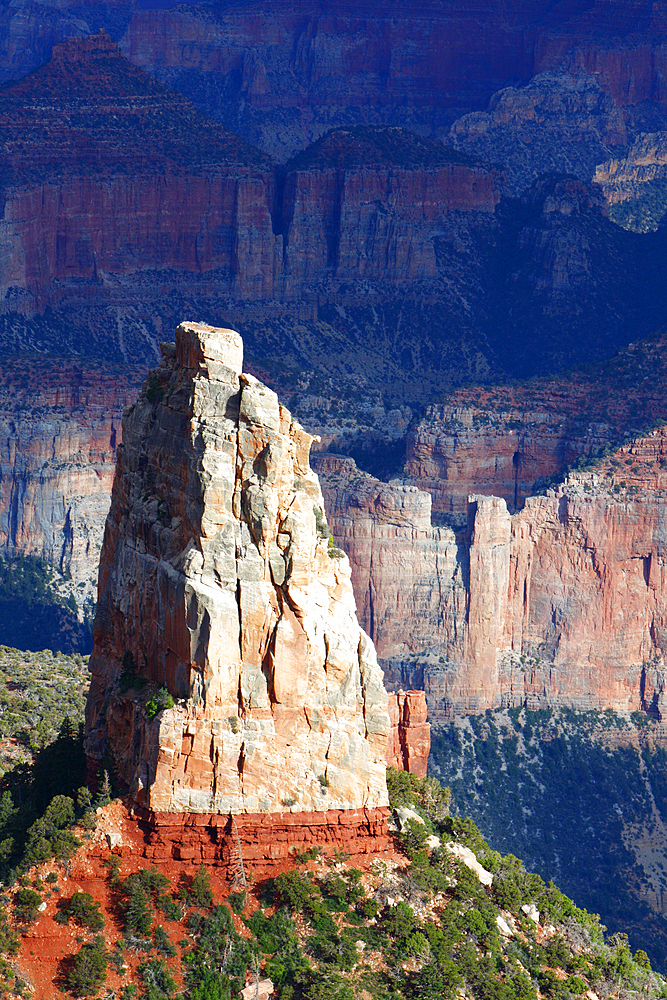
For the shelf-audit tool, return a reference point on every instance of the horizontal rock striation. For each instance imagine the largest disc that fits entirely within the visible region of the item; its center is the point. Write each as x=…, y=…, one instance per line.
x=285, y=76
x=217, y=584
x=561, y=603
x=60, y=424
x=266, y=837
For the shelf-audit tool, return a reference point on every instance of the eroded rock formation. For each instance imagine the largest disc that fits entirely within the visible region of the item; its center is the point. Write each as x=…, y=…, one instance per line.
x=559, y=122
x=218, y=584
x=409, y=733
x=635, y=185
x=562, y=603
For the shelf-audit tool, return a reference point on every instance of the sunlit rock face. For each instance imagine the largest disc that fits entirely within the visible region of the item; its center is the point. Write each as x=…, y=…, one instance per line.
x=218, y=583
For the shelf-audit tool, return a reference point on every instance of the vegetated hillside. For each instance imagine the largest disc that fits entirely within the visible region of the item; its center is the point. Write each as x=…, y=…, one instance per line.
x=36, y=614
x=38, y=691
x=581, y=797
x=421, y=921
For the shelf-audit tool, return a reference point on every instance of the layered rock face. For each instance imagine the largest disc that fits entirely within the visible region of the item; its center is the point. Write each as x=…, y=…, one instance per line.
x=111, y=225
x=61, y=424
x=409, y=734
x=561, y=603
x=217, y=582
x=283, y=76
x=456, y=451
x=87, y=194
x=362, y=203
x=559, y=122
x=306, y=68
x=635, y=185
x=509, y=441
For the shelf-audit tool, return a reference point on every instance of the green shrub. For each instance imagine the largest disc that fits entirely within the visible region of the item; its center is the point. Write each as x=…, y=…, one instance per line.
x=298, y=891
x=85, y=912
x=199, y=892
x=158, y=981
x=237, y=901
x=162, y=942
x=135, y=907
x=26, y=905
x=88, y=969
x=159, y=702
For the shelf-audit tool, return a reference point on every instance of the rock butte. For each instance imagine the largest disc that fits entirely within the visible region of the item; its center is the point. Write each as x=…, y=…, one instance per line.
x=218, y=582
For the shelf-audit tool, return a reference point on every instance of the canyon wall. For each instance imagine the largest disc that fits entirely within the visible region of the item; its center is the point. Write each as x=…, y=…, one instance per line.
x=60, y=425
x=217, y=585
x=561, y=603
x=111, y=227
x=307, y=68
x=283, y=76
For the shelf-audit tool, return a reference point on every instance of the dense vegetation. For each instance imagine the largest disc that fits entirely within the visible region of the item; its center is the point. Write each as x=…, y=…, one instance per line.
x=37, y=692
x=575, y=795
x=424, y=927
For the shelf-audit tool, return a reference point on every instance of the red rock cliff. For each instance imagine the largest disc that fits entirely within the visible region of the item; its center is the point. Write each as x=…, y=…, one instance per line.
x=94, y=185
x=61, y=424
x=409, y=733
x=312, y=65
x=563, y=602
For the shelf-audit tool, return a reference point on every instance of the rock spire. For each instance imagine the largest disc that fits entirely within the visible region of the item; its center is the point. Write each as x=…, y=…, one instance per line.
x=229, y=672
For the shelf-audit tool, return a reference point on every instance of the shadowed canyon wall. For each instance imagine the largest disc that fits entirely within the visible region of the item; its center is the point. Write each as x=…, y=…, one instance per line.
x=61, y=423
x=371, y=240
x=283, y=76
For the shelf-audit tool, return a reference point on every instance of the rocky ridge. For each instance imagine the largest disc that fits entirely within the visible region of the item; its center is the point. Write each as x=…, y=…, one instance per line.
x=557, y=123
x=218, y=584
x=635, y=185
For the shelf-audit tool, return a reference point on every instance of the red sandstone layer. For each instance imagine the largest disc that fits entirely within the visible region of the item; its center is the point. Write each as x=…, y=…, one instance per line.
x=267, y=837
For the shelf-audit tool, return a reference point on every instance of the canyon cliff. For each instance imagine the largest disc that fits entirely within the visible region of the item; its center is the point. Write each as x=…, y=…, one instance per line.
x=61, y=423
x=409, y=733
x=282, y=76
x=218, y=586
x=561, y=603
x=111, y=226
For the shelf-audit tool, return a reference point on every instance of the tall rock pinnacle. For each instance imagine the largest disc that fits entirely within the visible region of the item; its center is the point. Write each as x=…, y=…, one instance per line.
x=219, y=583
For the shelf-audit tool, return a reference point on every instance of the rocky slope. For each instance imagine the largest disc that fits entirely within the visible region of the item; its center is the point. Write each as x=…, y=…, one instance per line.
x=557, y=123
x=513, y=440
x=605, y=840
x=217, y=582
x=635, y=185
